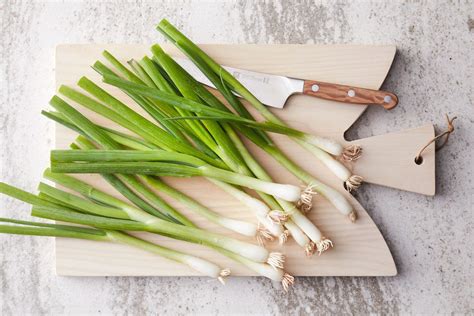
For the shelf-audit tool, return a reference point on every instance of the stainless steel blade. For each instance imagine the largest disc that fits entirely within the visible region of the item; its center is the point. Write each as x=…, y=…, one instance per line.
x=271, y=90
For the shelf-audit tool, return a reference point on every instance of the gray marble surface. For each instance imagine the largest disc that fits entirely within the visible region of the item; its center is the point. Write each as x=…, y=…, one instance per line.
x=430, y=237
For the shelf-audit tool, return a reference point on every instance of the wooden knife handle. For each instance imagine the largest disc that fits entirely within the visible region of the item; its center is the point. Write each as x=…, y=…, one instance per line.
x=349, y=94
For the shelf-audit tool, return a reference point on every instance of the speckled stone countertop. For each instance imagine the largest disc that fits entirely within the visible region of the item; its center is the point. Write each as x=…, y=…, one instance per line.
x=430, y=237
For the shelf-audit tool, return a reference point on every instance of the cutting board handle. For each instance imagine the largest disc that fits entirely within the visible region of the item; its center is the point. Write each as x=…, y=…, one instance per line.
x=389, y=160
x=349, y=94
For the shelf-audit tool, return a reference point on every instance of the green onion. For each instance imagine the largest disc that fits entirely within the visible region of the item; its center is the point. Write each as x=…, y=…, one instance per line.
x=141, y=166
x=50, y=230
x=264, y=269
x=140, y=221
x=134, y=80
x=241, y=227
x=201, y=265
x=126, y=162
x=252, y=203
x=351, y=182
x=66, y=231
x=144, y=222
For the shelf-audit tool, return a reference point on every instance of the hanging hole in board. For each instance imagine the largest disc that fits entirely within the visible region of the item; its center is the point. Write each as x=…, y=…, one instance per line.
x=446, y=134
x=419, y=160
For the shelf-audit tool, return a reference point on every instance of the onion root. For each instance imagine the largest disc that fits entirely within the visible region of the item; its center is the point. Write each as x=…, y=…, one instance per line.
x=287, y=281
x=353, y=216
x=305, y=202
x=276, y=260
x=223, y=274
x=323, y=245
x=309, y=249
x=263, y=234
x=353, y=183
x=351, y=153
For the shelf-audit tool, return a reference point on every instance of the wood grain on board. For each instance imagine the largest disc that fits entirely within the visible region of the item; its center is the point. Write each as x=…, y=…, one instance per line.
x=359, y=250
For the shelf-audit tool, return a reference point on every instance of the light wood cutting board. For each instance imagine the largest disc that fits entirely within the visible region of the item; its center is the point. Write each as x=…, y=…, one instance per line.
x=360, y=249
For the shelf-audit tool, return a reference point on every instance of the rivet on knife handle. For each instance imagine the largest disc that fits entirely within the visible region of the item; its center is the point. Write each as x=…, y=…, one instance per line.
x=349, y=94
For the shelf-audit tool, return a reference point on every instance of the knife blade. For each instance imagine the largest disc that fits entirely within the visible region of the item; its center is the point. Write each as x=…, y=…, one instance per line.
x=274, y=90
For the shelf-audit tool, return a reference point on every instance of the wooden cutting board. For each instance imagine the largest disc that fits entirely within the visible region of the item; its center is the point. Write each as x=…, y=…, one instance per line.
x=360, y=249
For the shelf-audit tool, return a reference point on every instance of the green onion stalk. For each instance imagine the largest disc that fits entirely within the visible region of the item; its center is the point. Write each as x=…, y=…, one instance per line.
x=222, y=145
x=204, y=267
x=190, y=155
x=197, y=55
x=161, y=163
x=277, y=214
x=272, y=269
x=30, y=228
x=124, y=217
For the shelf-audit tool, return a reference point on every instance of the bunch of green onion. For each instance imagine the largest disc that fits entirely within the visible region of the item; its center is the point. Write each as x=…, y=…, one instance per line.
x=242, y=161
x=157, y=218
x=167, y=92
x=108, y=213
x=190, y=132
x=150, y=140
x=149, y=90
x=108, y=218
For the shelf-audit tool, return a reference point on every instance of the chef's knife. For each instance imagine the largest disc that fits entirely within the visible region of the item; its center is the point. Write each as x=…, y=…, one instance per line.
x=274, y=90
